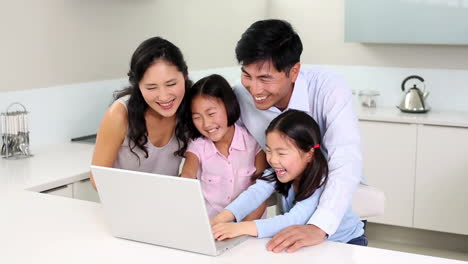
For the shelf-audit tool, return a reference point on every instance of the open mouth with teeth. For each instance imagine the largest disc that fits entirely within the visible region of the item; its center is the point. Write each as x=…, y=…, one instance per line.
x=280, y=172
x=167, y=105
x=212, y=130
x=260, y=99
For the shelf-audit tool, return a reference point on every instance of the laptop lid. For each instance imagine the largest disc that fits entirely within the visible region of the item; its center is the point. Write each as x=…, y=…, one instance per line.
x=158, y=209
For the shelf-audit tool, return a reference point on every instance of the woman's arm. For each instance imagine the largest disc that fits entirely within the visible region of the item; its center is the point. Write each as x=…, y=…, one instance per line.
x=260, y=165
x=110, y=136
x=191, y=166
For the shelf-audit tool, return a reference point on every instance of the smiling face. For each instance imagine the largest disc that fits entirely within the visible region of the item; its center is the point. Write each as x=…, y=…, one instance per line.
x=163, y=88
x=267, y=85
x=210, y=118
x=288, y=161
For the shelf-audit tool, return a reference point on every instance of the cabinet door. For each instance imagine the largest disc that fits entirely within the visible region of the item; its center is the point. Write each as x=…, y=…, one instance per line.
x=84, y=190
x=389, y=156
x=442, y=179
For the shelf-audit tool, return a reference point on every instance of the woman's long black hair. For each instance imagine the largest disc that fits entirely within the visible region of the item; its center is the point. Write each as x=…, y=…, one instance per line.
x=305, y=133
x=150, y=51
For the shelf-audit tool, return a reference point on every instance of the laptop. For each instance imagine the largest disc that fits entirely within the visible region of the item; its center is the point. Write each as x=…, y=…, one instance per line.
x=158, y=209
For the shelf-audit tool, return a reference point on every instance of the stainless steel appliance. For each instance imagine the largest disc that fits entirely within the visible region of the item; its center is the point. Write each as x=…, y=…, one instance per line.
x=414, y=99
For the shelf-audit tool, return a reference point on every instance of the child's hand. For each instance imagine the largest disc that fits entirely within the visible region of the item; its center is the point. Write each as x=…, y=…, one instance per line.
x=224, y=217
x=215, y=220
x=223, y=231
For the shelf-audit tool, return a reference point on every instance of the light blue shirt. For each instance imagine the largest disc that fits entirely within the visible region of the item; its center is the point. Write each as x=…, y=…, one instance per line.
x=326, y=97
x=295, y=213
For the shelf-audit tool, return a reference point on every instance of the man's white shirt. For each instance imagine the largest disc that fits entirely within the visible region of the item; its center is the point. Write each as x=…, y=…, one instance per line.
x=326, y=97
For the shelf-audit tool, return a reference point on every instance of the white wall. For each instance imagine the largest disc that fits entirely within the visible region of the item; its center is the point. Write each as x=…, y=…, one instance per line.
x=54, y=42
x=380, y=67
x=207, y=30
x=60, y=113
x=320, y=24
x=63, y=59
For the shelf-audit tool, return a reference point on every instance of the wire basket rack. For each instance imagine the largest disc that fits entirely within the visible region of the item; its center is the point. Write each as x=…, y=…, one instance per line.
x=15, y=132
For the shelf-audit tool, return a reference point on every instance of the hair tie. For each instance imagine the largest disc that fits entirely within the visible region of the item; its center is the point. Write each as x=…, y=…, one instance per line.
x=316, y=146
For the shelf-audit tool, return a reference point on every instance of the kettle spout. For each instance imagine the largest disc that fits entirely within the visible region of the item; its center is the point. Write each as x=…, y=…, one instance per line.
x=425, y=94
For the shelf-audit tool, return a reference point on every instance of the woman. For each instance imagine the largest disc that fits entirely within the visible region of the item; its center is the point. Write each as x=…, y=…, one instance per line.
x=142, y=129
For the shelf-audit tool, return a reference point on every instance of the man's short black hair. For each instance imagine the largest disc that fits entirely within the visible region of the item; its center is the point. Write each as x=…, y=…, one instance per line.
x=270, y=40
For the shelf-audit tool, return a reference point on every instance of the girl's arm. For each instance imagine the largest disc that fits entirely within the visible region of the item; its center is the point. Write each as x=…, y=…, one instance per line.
x=245, y=203
x=224, y=217
x=110, y=136
x=257, y=214
x=191, y=165
x=299, y=214
x=260, y=165
x=223, y=231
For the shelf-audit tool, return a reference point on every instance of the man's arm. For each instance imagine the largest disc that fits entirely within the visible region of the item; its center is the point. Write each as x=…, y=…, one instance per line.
x=342, y=141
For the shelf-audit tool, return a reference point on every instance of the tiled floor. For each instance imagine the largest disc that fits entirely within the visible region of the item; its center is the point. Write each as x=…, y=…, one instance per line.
x=418, y=241
x=419, y=250
x=413, y=240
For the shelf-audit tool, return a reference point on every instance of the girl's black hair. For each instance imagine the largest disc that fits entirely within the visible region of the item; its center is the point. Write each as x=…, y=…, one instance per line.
x=148, y=53
x=214, y=86
x=305, y=133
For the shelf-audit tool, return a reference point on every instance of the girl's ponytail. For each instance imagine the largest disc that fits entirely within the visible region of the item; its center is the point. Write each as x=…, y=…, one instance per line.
x=314, y=176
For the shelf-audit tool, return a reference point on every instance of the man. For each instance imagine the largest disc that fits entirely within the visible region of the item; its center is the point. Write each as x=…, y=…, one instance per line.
x=273, y=81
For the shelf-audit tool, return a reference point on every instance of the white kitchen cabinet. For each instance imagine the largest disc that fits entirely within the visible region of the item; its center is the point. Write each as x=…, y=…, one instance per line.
x=442, y=179
x=81, y=189
x=65, y=191
x=389, y=153
x=84, y=190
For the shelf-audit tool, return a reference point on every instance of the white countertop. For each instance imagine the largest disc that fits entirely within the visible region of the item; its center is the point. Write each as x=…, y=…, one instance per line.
x=433, y=117
x=42, y=228
x=50, y=167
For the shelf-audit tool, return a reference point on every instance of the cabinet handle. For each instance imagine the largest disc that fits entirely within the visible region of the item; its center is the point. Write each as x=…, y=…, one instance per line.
x=55, y=189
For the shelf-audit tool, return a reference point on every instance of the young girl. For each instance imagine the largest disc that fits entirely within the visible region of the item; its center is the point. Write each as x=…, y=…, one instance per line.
x=223, y=155
x=142, y=129
x=299, y=172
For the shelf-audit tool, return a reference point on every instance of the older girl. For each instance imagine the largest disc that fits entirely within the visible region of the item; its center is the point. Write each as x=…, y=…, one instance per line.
x=223, y=155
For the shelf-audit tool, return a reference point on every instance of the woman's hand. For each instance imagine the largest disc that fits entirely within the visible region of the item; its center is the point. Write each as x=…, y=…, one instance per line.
x=222, y=231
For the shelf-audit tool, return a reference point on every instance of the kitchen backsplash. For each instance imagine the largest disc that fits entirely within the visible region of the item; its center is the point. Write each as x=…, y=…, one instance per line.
x=63, y=112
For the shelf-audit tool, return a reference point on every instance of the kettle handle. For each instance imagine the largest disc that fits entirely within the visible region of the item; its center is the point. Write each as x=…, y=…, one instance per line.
x=412, y=77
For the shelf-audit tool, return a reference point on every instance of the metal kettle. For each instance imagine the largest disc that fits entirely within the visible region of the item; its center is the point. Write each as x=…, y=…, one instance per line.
x=414, y=99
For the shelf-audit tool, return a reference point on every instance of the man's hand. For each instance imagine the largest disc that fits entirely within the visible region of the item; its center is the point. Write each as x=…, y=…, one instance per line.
x=296, y=237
